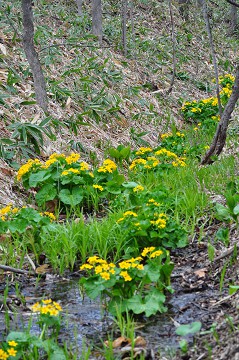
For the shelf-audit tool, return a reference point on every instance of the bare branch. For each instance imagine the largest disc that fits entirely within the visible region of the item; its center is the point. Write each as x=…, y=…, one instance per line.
x=233, y=3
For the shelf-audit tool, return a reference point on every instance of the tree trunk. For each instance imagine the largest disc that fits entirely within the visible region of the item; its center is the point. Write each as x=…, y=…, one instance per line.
x=124, y=18
x=31, y=54
x=233, y=19
x=79, y=7
x=219, y=139
x=97, y=19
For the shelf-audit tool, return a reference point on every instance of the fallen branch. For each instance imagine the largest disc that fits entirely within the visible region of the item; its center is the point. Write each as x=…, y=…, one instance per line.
x=17, y=271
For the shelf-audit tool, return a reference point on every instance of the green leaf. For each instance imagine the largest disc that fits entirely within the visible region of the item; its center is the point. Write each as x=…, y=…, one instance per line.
x=154, y=302
x=32, y=102
x=136, y=304
x=222, y=212
x=189, y=329
x=130, y=185
x=48, y=192
x=233, y=289
x=236, y=210
x=38, y=178
x=18, y=225
x=71, y=198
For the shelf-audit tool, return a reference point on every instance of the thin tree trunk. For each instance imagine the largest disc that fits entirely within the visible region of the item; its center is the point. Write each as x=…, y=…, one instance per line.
x=79, y=7
x=32, y=56
x=132, y=26
x=206, y=19
x=124, y=16
x=97, y=19
x=174, y=48
x=219, y=139
x=233, y=19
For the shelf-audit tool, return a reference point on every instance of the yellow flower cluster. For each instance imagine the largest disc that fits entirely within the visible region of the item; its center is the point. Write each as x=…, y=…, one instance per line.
x=99, y=187
x=226, y=91
x=137, y=162
x=169, y=134
x=143, y=150
x=100, y=266
x=152, y=161
x=151, y=252
x=226, y=76
x=138, y=188
x=159, y=223
x=47, y=307
x=73, y=158
x=70, y=171
x=166, y=153
x=126, y=214
x=166, y=135
x=152, y=202
x=24, y=169
x=8, y=210
x=107, y=166
x=9, y=352
x=49, y=214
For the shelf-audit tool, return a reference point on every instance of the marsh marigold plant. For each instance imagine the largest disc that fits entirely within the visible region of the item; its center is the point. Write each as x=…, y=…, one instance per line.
x=130, y=284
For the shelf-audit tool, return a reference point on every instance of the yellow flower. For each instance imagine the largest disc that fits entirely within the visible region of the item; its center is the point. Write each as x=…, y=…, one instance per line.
x=93, y=259
x=160, y=223
x=125, y=275
x=120, y=220
x=143, y=150
x=65, y=173
x=53, y=312
x=12, y=352
x=3, y=355
x=124, y=265
x=36, y=307
x=165, y=152
x=12, y=343
x=166, y=135
x=138, y=188
x=49, y=162
x=98, y=269
x=140, y=267
x=147, y=250
x=196, y=110
x=105, y=275
x=72, y=158
x=86, y=266
x=107, y=166
x=6, y=210
x=24, y=169
x=50, y=215
x=95, y=186
x=155, y=254
x=137, y=162
x=206, y=147
x=57, y=305
x=48, y=301
x=84, y=166
x=215, y=102
x=73, y=171
x=195, y=129
x=130, y=213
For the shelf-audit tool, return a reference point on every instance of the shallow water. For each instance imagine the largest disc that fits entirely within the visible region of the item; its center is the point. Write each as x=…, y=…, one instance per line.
x=84, y=321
